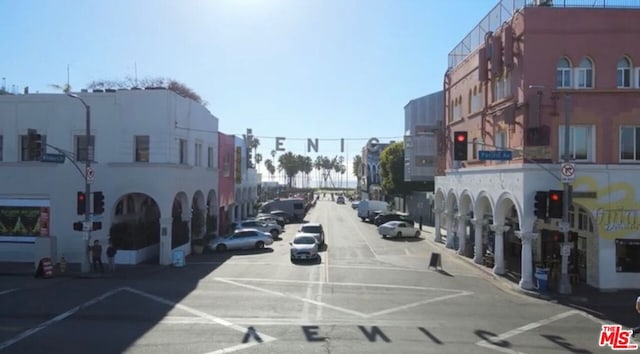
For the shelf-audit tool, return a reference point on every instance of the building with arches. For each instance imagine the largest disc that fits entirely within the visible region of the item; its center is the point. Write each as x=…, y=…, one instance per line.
x=509, y=85
x=370, y=178
x=154, y=157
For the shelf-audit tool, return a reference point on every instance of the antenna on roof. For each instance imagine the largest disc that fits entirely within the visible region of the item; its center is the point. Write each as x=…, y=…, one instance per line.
x=135, y=72
x=68, y=75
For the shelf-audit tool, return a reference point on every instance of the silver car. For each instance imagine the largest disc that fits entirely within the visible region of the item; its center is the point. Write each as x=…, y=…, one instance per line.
x=315, y=229
x=241, y=239
x=304, y=246
x=273, y=229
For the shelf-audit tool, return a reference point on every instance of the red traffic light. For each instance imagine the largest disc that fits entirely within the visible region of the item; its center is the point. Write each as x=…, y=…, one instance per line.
x=555, y=197
x=460, y=137
x=80, y=197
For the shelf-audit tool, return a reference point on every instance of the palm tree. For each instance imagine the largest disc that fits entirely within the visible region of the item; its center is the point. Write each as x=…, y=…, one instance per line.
x=307, y=167
x=258, y=158
x=289, y=164
x=253, y=146
x=66, y=88
x=270, y=167
x=317, y=164
x=357, y=165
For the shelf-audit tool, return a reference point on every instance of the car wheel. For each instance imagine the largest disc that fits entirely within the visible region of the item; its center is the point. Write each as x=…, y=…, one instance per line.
x=274, y=233
x=259, y=245
x=362, y=219
x=221, y=248
x=417, y=234
x=399, y=234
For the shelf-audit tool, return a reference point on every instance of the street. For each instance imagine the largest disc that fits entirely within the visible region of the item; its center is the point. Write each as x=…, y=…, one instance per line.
x=366, y=295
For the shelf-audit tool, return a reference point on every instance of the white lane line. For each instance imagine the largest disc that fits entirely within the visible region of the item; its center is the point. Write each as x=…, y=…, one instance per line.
x=372, y=285
x=4, y=292
x=520, y=330
x=277, y=293
x=308, y=295
x=58, y=318
x=364, y=238
x=418, y=303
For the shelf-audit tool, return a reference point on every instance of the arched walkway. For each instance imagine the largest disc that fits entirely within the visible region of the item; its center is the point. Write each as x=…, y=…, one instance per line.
x=135, y=228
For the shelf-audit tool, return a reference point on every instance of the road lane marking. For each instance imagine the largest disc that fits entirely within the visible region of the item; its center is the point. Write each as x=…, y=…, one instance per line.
x=305, y=306
x=364, y=238
x=277, y=293
x=9, y=291
x=58, y=318
x=525, y=328
x=387, y=286
x=419, y=303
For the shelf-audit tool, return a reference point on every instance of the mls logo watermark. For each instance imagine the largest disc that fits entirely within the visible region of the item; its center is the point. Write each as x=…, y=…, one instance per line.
x=616, y=338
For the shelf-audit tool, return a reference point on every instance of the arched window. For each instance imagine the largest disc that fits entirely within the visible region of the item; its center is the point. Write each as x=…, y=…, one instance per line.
x=623, y=77
x=563, y=73
x=584, y=73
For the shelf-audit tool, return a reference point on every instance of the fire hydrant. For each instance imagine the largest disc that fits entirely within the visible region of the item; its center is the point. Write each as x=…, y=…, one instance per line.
x=63, y=264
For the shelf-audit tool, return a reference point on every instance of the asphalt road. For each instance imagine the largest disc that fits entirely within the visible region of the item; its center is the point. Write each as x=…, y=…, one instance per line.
x=366, y=295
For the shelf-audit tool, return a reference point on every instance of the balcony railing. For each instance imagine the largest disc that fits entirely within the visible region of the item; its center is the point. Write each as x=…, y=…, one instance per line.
x=505, y=9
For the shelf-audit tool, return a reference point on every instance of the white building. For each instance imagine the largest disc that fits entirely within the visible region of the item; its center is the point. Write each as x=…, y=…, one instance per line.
x=155, y=160
x=247, y=180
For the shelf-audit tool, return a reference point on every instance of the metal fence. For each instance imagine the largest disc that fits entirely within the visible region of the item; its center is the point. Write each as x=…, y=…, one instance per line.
x=505, y=9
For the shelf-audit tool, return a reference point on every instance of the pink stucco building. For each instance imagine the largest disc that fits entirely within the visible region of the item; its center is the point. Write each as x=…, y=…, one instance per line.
x=510, y=83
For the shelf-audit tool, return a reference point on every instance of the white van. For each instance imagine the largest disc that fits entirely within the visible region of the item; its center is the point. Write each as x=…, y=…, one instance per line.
x=366, y=207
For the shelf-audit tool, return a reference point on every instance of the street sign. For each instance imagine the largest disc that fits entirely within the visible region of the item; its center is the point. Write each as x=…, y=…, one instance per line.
x=91, y=174
x=568, y=172
x=86, y=225
x=500, y=155
x=564, y=227
x=55, y=158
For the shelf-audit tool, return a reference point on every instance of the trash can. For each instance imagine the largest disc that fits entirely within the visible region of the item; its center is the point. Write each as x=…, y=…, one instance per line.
x=177, y=258
x=542, y=278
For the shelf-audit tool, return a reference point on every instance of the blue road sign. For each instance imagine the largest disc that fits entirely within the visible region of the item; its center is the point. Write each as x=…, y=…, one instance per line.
x=500, y=155
x=55, y=158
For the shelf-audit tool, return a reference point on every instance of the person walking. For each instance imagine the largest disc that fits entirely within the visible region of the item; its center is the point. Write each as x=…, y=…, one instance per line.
x=96, y=256
x=111, y=257
x=636, y=330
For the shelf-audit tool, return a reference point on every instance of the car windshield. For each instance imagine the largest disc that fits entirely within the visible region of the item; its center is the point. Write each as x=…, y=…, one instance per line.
x=312, y=229
x=304, y=240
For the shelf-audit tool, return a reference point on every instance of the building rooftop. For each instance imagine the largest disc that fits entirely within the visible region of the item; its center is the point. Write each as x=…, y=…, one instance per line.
x=505, y=9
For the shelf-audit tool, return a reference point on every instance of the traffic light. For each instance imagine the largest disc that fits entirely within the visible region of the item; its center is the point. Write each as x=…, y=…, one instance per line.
x=34, y=145
x=98, y=203
x=555, y=204
x=81, y=203
x=96, y=225
x=460, y=146
x=540, y=205
x=77, y=226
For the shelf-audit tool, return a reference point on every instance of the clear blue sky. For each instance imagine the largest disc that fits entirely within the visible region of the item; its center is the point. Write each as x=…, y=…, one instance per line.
x=291, y=68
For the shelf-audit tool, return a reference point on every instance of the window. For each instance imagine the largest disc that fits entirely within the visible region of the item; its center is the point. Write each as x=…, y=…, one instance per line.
x=84, y=152
x=623, y=76
x=627, y=255
x=198, y=161
x=210, y=161
x=469, y=102
x=24, y=147
x=637, y=77
x=1, y=147
x=226, y=165
x=501, y=142
x=581, y=143
x=584, y=74
x=630, y=143
x=142, y=148
x=501, y=87
x=475, y=149
x=563, y=73
x=183, y=152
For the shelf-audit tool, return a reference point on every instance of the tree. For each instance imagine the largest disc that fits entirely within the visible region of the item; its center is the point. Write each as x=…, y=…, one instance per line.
x=307, y=166
x=357, y=165
x=129, y=83
x=289, y=164
x=268, y=163
x=258, y=158
x=392, y=169
x=253, y=146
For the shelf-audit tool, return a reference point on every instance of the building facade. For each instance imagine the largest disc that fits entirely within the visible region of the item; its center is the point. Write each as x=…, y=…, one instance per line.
x=423, y=119
x=226, y=181
x=510, y=85
x=153, y=156
x=370, y=178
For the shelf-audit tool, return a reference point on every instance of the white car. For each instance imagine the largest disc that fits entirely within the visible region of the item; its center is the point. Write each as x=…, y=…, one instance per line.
x=398, y=229
x=304, y=246
x=241, y=239
x=313, y=228
x=274, y=229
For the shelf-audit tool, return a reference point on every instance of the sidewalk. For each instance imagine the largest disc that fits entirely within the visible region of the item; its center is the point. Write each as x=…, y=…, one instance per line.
x=27, y=269
x=600, y=303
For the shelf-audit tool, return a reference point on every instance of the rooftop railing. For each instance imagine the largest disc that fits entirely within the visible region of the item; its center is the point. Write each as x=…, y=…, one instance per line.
x=505, y=9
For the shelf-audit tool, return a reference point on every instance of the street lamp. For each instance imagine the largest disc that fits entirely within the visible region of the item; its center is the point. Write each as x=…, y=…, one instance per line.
x=564, y=285
x=85, y=265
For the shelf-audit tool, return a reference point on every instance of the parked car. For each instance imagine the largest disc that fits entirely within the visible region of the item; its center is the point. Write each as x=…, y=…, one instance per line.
x=384, y=218
x=274, y=229
x=398, y=229
x=366, y=207
x=288, y=218
x=271, y=219
x=314, y=229
x=241, y=239
x=354, y=204
x=340, y=200
x=304, y=246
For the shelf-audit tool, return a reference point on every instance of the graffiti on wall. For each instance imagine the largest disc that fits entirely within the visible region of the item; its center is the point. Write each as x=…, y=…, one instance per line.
x=615, y=211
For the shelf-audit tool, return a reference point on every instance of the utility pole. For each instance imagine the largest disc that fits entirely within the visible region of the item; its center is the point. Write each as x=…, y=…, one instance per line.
x=85, y=266
x=564, y=287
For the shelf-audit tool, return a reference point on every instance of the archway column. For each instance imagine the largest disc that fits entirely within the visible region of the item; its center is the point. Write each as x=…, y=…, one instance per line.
x=526, y=279
x=498, y=247
x=478, y=249
x=165, y=240
x=462, y=234
x=438, y=233
x=450, y=229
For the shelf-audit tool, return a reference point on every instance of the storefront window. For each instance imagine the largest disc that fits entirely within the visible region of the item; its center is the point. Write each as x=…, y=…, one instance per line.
x=627, y=256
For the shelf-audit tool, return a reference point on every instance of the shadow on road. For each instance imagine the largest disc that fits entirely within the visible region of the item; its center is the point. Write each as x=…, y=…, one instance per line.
x=408, y=239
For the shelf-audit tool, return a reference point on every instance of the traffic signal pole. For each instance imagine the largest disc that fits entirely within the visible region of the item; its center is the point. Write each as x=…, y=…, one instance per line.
x=564, y=286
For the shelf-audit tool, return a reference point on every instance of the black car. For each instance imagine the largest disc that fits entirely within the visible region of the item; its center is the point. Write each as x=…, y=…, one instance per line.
x=386, y=217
